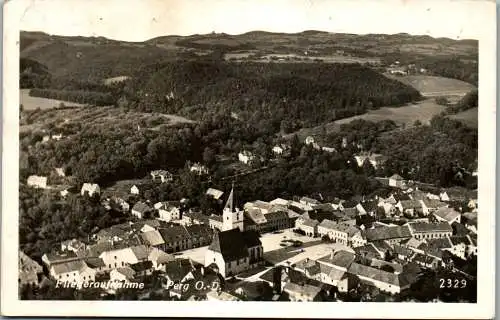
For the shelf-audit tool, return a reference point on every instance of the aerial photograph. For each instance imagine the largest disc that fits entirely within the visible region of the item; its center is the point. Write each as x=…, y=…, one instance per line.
x=247, y=164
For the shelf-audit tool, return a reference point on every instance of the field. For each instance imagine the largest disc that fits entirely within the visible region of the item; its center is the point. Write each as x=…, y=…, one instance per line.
x=431, y=86
x=31, y=103
x=98, y=118
x=423, y=110
x=469, y=117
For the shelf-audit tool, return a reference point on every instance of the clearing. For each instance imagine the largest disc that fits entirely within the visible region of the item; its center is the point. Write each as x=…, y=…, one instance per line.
x=432, y=86
x=99, y=118
x=468, y=117
x=423, y=110
x=31, y=103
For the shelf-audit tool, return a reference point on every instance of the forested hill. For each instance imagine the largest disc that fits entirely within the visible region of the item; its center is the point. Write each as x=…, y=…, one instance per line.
x=286, y=94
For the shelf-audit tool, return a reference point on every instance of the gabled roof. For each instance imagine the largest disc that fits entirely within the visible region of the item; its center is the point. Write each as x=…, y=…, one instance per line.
x=28, y=264
x=233, y=244
x=434, y=203
x=178, y=269
x=310, y=200
x=72, y=266
x=304, y=290
x=128, y=272
x=142, y=207
x=374, y=273
x=141, y=266
x=94, y=262
x=456, y=240
x=141, y=252
x=385, y=233
x=199, y=230
x=310, y=223
x=340, y=258
x=396, y=177
x=159, y=256
x=152, y=238
x=447, y=214
x=216, y=194
x=410, y=204
x=174, y=233
x=421, y=227
x=328, y=224
x=256, y=215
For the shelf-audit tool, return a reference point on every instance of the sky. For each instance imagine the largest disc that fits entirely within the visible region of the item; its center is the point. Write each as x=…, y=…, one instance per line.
x=139, y=20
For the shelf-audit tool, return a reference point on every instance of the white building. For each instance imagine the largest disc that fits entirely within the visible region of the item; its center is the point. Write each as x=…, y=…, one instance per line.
x=246, y=157
x=91, y=189
x=37, y=182
x=134, y=190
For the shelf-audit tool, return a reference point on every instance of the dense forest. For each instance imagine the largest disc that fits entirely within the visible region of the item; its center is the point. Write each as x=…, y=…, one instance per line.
x=302, y=94
x=94, y=98
x=45, y=220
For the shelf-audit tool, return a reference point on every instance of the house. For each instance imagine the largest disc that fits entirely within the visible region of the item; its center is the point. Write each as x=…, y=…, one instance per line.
x=199, y=169
x=460, y=246
x=179, y=270
x=29, y=270
x=367, y=207
x=214, y=193
x=391, y=234
x=219, y=295
x=309, y=201
x=201, y=235
x=134, y=190
x=97, y=264
x=329, y=149
x=396, y=181
x=426, y=261
x=176, y=238
x=152, y=238
x=444, y=196
x=72, y=272
x=195, y=217
x=141, y=210
x=309, y=226
x=431, y=205
x=279, y=202
x=343, y=233
x=376, y=160
x=449, y=215
x=262, y=206
x=309, y=140
x=234, y=251
x=50, y=259
x=385, y=281
x=91, y=189
x=74, y=245
x=469, y=219
x=409, y=207
x=169, y=211
x=302, y=292
x=163, y=175
x=422, y=230
x=246, y=157
x=280, y=149
x=159, y=259
x=57, y=137
x=143, y=268
x=123, y=274
x=37, y=182
x=340, y=260
x=60, y=172
x=472, y=204
x=117, y=258
x=119, y=204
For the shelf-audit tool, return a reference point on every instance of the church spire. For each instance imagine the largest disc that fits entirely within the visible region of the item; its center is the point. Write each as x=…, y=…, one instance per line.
x=230, y=200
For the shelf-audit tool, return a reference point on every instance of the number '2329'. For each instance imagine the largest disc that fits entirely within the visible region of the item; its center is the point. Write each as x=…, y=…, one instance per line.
x=452, y=283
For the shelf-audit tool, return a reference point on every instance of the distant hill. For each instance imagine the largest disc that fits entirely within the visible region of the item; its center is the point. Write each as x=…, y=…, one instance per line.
x=98, y=58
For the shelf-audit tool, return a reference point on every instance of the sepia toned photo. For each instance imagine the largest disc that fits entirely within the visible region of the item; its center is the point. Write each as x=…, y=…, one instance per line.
x=222, y=152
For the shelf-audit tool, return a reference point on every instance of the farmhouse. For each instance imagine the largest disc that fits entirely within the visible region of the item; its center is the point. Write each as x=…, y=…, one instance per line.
x=73, y=271
x=29, y=270
x=199, y=169
x=163, y=175
x=214, y=193
x=141, y=210
x=90, y=189
x=447, y=214
x=134, y=190
x=37, y=182
x=396, y=181
x=246, y=157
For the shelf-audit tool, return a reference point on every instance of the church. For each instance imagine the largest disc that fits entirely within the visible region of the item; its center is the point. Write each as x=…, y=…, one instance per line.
x=233, y=250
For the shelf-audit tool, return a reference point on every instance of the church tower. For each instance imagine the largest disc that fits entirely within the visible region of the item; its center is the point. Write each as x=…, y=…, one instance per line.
x=231, y=217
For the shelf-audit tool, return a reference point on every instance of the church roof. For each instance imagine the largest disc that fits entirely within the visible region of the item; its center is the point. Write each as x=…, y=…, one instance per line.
x=233, y=244
x=230, y=201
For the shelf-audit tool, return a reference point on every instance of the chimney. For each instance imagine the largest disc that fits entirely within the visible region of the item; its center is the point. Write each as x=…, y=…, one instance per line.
x=332, y=253
x=202, y=270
